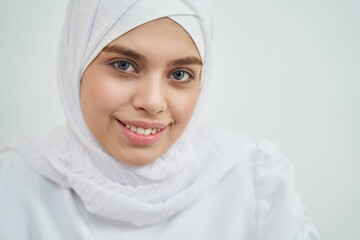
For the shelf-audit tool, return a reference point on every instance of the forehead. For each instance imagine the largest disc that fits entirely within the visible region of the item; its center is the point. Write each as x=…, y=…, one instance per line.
x=161, y=36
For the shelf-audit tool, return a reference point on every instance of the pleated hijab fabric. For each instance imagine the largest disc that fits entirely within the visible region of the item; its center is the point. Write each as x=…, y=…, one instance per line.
x=73, y=158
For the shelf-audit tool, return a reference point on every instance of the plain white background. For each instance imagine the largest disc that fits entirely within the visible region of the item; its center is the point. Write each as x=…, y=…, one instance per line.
x=285, y=70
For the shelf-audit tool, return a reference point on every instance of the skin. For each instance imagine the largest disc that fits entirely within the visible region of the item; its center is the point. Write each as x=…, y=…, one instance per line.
x=152, y=73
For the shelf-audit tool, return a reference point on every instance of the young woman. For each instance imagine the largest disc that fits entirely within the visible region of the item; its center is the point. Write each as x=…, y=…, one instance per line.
x=134, y=160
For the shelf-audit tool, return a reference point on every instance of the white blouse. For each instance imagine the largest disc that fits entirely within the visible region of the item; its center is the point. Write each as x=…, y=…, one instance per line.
x=255, y=200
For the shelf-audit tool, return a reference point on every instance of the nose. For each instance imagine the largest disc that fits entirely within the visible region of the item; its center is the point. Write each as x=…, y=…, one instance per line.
x=150, y=95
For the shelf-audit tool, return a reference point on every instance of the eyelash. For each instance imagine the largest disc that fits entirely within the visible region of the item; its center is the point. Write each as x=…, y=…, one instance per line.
x=190, y=75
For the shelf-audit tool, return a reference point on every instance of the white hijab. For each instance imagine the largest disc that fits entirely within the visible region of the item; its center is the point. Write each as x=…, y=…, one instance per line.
x=72, y=157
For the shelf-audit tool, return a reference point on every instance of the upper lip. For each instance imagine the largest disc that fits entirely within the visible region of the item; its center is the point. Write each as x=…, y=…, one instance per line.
x=145, y=124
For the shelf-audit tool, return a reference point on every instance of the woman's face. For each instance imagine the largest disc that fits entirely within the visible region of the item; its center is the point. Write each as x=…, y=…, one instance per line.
x=139, y=94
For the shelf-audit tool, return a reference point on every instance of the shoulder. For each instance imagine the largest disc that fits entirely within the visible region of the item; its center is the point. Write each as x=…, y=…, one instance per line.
x=11, y=164
x=263, y=178
x=17, y=179
x=280, y=213
x=30, y=204
x=266, y=176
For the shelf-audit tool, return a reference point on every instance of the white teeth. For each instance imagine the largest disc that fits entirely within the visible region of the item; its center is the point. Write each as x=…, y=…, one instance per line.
x=147, y=131
x=142, y=131
x=133, y=128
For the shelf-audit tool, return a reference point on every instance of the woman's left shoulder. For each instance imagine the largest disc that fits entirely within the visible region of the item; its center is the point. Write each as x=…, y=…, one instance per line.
x=280, y=212
x=263, y=171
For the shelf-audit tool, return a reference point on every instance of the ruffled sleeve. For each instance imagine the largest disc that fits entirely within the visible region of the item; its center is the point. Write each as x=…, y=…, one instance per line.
x=280, y=214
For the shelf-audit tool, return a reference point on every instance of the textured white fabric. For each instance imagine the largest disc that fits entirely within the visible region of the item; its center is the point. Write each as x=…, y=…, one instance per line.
x=253, y=201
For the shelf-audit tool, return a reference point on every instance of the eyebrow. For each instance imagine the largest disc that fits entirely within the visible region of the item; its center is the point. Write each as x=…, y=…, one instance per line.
x=186, y=61
x=124, y=51
x=138, y=56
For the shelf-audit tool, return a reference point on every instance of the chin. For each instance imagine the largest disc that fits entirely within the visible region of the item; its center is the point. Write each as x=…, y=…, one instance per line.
x=136, y=159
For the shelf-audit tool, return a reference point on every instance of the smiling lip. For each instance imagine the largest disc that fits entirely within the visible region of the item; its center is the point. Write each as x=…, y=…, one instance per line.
x=144, y=124
x=142, y=139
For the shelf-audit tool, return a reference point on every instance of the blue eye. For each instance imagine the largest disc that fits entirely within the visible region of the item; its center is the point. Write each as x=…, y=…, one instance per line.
x=181, y=75
x=124, y=66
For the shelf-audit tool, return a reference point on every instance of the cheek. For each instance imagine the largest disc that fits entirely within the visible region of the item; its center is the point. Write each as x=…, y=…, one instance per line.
x=100, y=95
x=183, y=105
